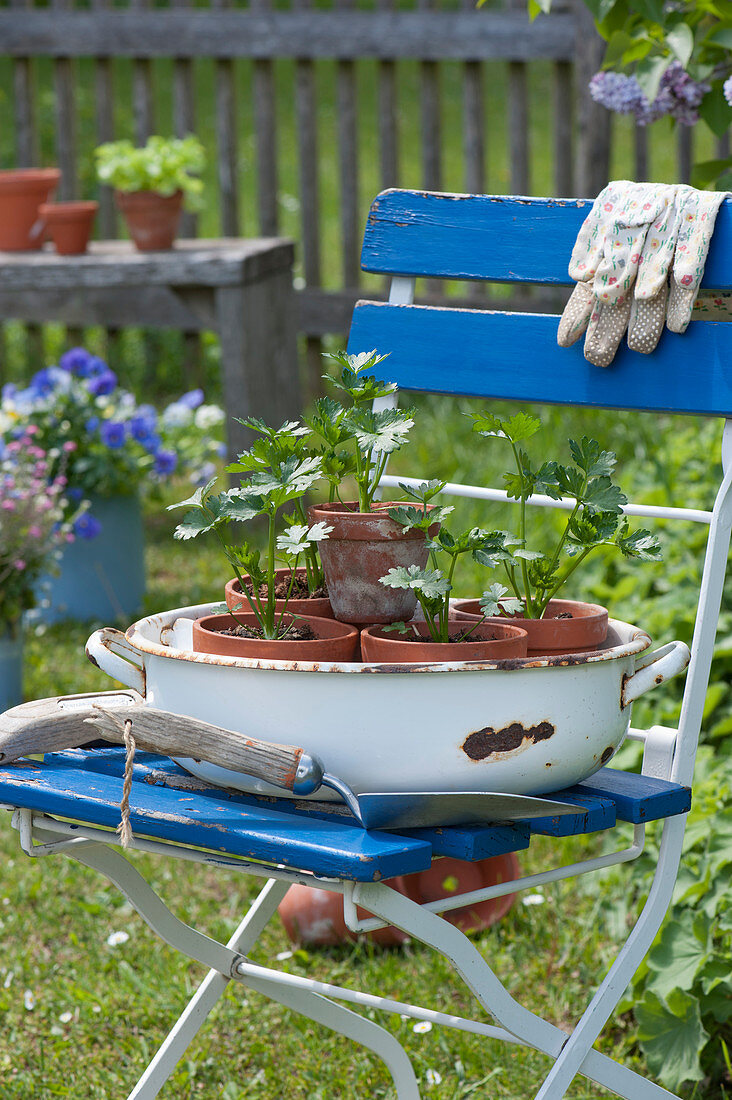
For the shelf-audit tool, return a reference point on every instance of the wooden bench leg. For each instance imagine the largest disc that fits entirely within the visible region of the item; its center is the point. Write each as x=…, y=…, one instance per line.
x=258, y=354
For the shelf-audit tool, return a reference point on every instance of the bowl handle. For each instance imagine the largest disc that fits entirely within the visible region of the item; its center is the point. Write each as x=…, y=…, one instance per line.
x=110, y=651
x=658, y=666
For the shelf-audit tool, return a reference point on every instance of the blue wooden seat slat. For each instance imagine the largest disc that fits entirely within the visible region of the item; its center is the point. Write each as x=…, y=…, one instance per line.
x=328, y=848
x=495, y=238
x=637, y=798
x=422, y=342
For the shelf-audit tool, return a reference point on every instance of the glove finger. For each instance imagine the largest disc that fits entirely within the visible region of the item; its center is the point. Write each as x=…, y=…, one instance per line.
x=605, y=331
x=680, y=306
x=659, y=245
x=576, y=315
x=588, y=248
x=699, y=215
x=647, y=318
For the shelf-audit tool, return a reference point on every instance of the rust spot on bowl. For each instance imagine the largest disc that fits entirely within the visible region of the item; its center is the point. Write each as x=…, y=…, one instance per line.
x=606, y=754
x=483, y=743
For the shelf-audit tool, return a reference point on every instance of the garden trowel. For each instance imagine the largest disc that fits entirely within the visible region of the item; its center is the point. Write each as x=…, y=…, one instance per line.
x=65, y=722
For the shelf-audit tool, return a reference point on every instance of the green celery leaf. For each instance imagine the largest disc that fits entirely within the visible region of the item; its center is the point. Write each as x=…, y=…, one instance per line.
x=590, y=458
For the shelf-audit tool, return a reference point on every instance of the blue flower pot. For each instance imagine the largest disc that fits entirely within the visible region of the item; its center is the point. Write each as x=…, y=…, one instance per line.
x=11, y=669
x=102, y=578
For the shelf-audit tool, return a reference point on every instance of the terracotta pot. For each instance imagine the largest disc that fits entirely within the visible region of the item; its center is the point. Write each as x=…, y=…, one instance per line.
x=21, y=193
x=361, y=548
x=313, y=605
x=334, y=641
x=488, y=642
x=69, y=225
x=582, y=631
x=152, y=219
x=450, y=876
x=315, y=916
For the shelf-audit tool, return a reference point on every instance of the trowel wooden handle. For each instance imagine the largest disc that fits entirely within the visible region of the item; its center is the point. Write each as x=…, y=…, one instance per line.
x=178, y=735
x=64, y=722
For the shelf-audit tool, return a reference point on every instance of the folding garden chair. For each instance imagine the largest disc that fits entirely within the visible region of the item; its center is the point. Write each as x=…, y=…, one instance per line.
x=69, y=801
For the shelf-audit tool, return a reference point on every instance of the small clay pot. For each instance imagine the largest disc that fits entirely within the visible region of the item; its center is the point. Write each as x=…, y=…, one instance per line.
x=152, y=219
x=315, y=917
x=582, y=628
x=361, y=548
x=333, y=642
x=69, y=224
x=488, y=642
x=313, y=605
x=21, y=193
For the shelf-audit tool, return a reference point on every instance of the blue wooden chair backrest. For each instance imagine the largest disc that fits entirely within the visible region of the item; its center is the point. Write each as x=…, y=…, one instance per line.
x=515, y=355
x=502, y=355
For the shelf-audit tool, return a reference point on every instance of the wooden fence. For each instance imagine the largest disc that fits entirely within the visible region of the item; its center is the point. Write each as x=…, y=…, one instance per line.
x=71, y=66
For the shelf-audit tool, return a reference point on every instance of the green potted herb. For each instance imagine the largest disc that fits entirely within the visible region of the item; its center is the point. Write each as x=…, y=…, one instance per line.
x=356, y=441
x=151, y=184
x=304, y=591
x=439, y=637
x=267, y=628
x=535, y=577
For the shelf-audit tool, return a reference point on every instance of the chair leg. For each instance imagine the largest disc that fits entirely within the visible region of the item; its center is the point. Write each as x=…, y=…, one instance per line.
x=624, y=967
x=221, y=959
x=207, y=995
x=526, y=1026
x=348, y=1023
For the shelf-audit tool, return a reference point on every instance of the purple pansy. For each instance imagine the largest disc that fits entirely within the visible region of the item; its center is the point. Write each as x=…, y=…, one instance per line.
x=87, y=526
x=99, y=385
x=165, y=462
x=113, y=433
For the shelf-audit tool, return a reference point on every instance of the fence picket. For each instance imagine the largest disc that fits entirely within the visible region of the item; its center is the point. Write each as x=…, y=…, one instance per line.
x=227, y=143
x=387, y=115
x=265, y=129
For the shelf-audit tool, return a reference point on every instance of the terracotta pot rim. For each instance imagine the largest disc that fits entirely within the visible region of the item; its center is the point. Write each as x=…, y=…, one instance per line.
x=12, y=179
x=317, y=606
x=594, y=610
x=146, y=195
x=334, y=633
x=354, y=526
x=67, y=211
x=510, y=645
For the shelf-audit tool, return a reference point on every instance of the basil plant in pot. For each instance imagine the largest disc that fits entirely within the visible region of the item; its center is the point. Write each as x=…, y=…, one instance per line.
x=267, y=629
x=355, y=441
x=151, y=184
x=439, y=637
x=535, y=577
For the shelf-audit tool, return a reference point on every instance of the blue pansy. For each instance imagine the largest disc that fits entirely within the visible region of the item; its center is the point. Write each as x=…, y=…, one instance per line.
x=87, y=526
x=143, y=423
x=76, y=361
x=74, y=494
x=101, y=384
x=192, y=399
x=152, y=443
x=92, y=424
x=165, y=462
x=9, y=391
x=113, y=433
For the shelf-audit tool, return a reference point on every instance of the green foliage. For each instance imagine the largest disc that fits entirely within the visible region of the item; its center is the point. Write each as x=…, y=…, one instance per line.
x=356, y=440
x=163, y=164
x=433, y=586
x=279, y=472
x=644, y=37
x=536, y=577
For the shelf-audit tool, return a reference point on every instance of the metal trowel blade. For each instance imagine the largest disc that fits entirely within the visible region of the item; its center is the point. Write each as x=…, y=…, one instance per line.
x=422, y=809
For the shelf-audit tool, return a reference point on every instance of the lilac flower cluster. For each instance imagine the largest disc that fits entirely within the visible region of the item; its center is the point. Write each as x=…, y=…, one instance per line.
x=119, y=447
x=727, y=90
x=679, y=96
x=34, y=521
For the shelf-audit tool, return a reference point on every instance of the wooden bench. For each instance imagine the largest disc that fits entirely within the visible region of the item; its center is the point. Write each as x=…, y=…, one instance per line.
x=240, y=289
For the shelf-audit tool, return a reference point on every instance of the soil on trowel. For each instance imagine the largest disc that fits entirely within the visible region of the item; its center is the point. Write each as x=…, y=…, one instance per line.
x=302, y=633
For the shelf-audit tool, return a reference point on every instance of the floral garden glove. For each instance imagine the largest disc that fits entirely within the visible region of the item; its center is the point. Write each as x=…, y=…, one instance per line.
x=650, y=294
x=698, y=216
x=605, y=261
